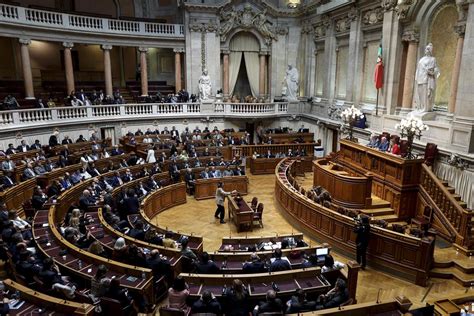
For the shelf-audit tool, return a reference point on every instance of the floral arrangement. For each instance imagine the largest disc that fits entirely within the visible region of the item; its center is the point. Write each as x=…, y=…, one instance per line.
x=410, y=128
x=350, y=117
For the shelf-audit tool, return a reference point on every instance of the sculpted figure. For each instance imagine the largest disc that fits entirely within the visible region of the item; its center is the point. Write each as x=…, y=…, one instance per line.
x=260, y=21
x=205, y=86
x=290, y=84
x=426, y=74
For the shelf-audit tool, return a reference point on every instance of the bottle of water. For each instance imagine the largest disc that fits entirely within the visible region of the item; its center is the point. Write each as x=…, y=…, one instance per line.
x=79, y=263
x=143, y=275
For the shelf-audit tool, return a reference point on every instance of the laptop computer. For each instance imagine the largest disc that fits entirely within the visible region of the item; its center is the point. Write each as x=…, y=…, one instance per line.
x=321, y=254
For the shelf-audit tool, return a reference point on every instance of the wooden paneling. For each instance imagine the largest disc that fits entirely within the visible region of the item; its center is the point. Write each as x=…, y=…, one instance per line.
x=206, y=188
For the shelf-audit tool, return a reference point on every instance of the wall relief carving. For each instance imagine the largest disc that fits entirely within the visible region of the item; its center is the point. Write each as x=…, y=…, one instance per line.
x=373, y=16
x=246, y=19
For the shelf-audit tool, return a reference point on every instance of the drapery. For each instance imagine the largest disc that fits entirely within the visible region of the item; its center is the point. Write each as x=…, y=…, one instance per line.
x=109, y=132
x=235, y=58
x=253, y=67
x=461, y=180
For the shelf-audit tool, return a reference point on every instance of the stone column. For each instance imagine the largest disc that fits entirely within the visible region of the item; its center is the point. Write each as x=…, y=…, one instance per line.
x=68, y=68
x=225, y=62
x=177, y=68
x=261, y=78
x=460, y=30
x=409, y=79
x=143, y=70
x=26, y=65
x=107, y=69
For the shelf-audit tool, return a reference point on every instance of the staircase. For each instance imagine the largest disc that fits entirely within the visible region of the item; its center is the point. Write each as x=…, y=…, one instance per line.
x=380, y=209
x=455, y=221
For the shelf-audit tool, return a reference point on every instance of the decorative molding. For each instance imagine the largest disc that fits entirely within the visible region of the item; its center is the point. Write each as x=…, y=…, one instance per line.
x=460, y=29
x=143, y=49
x=458, y=162
x=462, y=7
x=282, y=30
x=402, y=8
x=306, y=27
x=106, y=47
x=353, y=14
x=373, y=16
x=246, y=18
x=319, y=31
x=203, y=51
x=202, y=27
x=179, y=50
x=24, y=41
x=342, y=25
x=388, y=5
x=411, y=36
x=68, y=45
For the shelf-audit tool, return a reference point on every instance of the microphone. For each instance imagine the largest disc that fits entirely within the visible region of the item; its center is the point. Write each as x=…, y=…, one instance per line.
x=378, y=295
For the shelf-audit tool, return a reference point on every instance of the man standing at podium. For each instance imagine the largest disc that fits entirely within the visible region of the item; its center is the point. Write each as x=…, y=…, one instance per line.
x=220, y=198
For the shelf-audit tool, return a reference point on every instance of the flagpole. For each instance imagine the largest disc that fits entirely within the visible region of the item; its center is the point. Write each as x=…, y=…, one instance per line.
x=377, y=104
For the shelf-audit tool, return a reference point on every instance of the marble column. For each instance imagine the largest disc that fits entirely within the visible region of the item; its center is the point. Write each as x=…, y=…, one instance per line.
x=225, y=63
x=107, y=70
x=460, y=30
x=177, y=69
x=26, y=66
x=411, y=38
x=68, y=68
x=261, y=78
x=143, y=70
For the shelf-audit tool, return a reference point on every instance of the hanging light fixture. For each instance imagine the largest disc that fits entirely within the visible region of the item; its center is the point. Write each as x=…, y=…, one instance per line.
x=293, y=4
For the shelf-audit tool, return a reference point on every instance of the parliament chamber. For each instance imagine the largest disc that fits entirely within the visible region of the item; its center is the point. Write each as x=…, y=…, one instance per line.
x=240, y=157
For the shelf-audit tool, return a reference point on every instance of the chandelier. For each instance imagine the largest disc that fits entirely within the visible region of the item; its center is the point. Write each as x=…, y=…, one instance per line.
x=293, y=4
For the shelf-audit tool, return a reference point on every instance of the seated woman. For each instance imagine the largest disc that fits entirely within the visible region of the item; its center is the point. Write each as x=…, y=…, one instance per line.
x=394, y=147
x=178, y=293
x=97, y=249
x=117, y=293
x=331, y=265
x=374, y=142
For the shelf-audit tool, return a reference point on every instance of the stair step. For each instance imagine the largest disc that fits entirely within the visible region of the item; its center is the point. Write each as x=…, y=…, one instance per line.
x=457, y=197
x=389, y=218
x=376, y=212
x=451, y=190
x=462, y=204
x=445, y=183
x=453, y=273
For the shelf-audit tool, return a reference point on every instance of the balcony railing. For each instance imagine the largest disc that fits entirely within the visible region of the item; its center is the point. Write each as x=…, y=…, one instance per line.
x=59, y=115
x=71, y=22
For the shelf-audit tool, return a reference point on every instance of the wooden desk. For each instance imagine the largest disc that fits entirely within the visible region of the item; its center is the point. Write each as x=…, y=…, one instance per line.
x=239, y=243
x=50, y=305
x=15, y=196
x=263, y=165
x=403, y=255
x=345, y=188
x=240, y=214
x=249, y=150
x=395, y=179
x=285, y=138
x=206, y=188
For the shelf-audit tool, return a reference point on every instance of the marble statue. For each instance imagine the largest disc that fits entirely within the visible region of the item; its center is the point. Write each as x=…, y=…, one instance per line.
x=426, y=74
x=205, y=86
x=290, y=84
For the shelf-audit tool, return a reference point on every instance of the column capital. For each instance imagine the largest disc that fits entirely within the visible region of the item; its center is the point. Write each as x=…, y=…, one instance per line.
x=24, y=41
x=225, y=52
x=178, y=50
x=143, y=49
x=68, y=44
x=460, y=29
x=106, y=47
x=263, y=53
x=411, y=36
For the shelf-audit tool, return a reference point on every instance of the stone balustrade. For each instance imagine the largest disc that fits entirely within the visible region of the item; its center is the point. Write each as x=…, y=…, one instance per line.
x=70, y=22
x=58, y=115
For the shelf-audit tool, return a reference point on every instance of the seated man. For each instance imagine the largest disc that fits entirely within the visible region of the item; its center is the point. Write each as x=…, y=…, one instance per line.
x=279, y=264
x=207, y=304
x=298, y=303
x=335, y=297
x=254, y=266
x=205, y=173
x=137, y=231
x=228, y=172
x=271, y=305
x=374, y=142
x=384, y=144
x=190, y=180
x=206, y=266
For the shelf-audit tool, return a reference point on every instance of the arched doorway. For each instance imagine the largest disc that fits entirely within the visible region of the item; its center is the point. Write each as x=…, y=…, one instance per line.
x=244, y=65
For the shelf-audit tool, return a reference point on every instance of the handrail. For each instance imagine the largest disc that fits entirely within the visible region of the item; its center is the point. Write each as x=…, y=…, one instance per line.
x=458, y=216
x=73, y=22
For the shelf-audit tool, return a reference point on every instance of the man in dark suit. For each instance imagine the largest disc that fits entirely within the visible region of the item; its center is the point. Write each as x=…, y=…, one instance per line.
x=271, y=305
x=127, y=177
x=206, y=304
x=115, y=180
x=137, y=231
x=66, y=140
x=6, y=181
x=10, y=150
x=86, y=201
x=116, y=151
x=279, y=264
x=206, y=266
x=174, y=133
x=254, y=266
x=159, y=266
x=151, y=184
x=174, y=172
x=131, y=203
x=190, y=180
x=23, y=147
x=36, y=145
